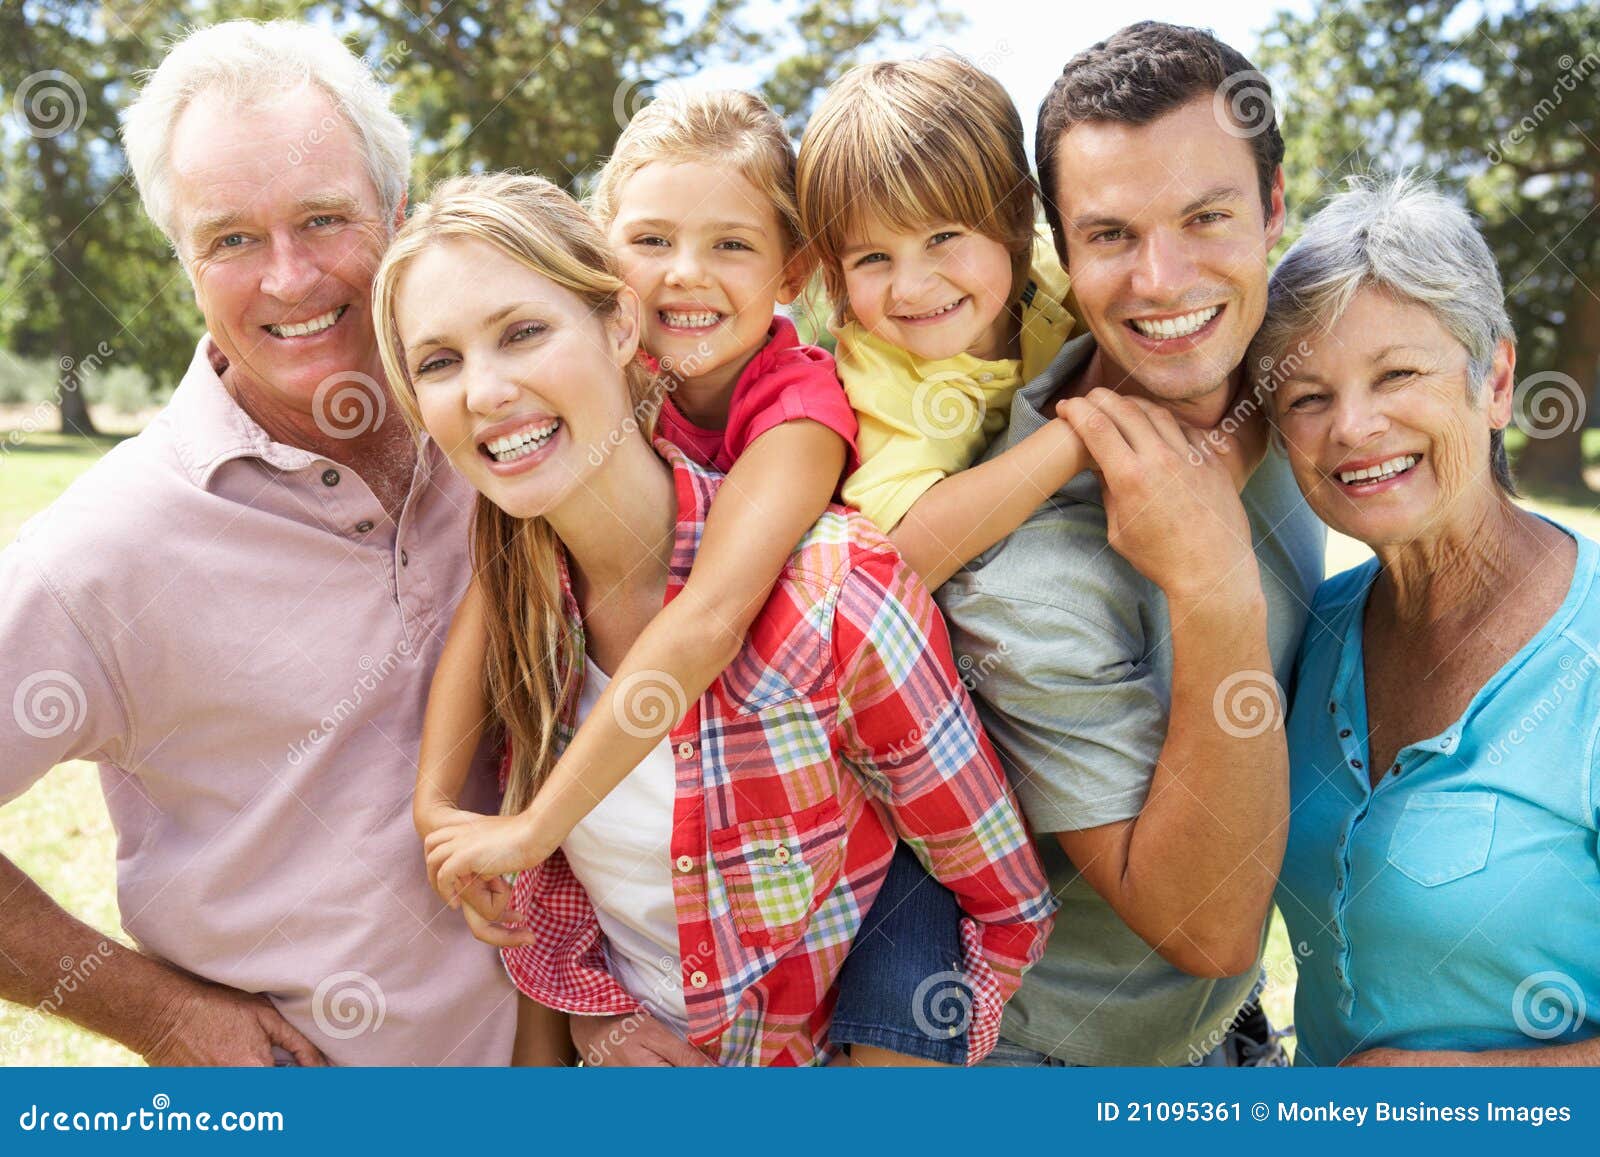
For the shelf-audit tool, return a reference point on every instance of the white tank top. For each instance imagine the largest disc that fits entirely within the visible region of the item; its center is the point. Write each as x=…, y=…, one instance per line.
x=622, y=855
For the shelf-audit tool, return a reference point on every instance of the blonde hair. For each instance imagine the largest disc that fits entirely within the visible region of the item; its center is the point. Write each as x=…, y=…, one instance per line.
x=729, y=127
x=913, y=141
x=533, y=670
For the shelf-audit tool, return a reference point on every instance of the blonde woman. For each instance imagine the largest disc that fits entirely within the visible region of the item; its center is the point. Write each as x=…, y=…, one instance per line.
x=718, y=889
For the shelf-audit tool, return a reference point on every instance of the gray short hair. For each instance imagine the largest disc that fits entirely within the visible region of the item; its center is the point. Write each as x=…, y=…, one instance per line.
x=1404, y=237
x=247, y=60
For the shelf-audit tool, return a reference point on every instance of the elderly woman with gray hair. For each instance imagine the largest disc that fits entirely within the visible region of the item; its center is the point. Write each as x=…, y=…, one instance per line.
x=1441, y=881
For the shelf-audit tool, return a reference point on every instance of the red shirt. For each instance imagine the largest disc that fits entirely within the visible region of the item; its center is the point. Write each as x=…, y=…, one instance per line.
x=785, y=382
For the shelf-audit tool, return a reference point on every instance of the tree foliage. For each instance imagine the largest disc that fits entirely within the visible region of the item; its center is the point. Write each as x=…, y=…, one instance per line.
x=1502, y=104
x=544, y=86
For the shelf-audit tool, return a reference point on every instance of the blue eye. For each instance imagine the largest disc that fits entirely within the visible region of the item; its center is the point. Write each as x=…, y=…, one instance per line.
x=941, y=238
x=527, y=329
x=432, y=364
x=227, y=241
x=871, y=257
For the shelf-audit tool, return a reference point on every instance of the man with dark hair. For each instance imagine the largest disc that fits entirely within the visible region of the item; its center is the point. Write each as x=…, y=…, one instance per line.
x=1137, y=697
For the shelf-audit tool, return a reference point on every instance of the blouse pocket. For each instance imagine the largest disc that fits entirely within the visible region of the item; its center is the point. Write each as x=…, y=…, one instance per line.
x=776, y=871
x=1443, y=835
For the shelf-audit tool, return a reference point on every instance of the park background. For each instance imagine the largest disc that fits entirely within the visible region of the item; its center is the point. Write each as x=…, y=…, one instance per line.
x=1499, y=101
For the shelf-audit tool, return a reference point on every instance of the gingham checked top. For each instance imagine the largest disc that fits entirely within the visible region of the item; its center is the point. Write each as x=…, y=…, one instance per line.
x=841, y=726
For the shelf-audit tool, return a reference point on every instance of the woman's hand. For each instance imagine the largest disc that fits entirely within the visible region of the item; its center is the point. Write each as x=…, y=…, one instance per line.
x=473, y=848
x=1410, y=1058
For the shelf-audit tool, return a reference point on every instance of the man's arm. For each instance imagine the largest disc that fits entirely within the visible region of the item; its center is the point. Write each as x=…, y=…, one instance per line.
x=63, y=706
x=166, y=1016
x=1193, y=873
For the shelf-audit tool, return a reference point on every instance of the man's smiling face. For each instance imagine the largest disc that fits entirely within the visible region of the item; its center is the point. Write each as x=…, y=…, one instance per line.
x=281, y=230
x=1167, y=244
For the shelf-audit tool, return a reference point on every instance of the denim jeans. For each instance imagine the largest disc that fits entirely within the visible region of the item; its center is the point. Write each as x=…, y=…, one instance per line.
x=902, y=987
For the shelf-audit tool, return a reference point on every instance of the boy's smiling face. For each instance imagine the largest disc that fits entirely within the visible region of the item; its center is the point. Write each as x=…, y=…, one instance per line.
x=935, y=291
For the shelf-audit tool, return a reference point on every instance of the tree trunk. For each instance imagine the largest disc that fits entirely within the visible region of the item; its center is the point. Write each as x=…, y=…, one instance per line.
x=74, y=406
x=1557, y=463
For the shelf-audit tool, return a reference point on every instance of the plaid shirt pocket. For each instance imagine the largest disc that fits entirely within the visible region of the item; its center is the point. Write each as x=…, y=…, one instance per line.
x=776, y=871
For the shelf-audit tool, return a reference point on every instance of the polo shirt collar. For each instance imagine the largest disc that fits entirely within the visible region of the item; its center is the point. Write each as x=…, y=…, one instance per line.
x=210, y=428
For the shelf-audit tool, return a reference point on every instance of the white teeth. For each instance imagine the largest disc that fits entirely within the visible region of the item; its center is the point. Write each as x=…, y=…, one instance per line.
x=943, y=309
x=1176, y=326
x=521, y=443
x=690, y=320
x=1382, y=472
x=306, y=328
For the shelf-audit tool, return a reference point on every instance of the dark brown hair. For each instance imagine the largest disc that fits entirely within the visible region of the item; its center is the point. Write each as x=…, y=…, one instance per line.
x=1144, y=72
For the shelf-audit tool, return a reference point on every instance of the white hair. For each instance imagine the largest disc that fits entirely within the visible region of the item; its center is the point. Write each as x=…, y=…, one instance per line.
x=1404, y=237
x=248, y=60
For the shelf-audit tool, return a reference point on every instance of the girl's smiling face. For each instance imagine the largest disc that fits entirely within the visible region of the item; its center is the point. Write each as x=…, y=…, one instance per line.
x=708, y=256
x=935, y=291
x=1385, y=440
x=519, y=380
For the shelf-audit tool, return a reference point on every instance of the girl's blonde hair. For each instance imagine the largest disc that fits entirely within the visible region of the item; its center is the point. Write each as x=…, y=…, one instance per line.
x=729, y=127
x=533, y=671
x=909, y=142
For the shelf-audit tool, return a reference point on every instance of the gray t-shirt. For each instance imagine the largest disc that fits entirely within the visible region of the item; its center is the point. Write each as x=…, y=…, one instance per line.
x=1068, y=651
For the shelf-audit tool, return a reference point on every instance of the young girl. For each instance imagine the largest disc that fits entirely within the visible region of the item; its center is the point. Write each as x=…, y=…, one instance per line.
x=710, y=248
x=721, y=886
x=698, y=203
x=915, y=195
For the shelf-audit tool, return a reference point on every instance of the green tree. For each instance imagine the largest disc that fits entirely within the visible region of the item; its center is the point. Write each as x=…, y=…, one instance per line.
x=548, y=87
x=85, y=281
x=1501, y=103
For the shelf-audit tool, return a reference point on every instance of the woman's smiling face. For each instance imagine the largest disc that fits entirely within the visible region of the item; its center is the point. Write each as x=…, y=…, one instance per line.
x=519, y=380
x=1386, y=442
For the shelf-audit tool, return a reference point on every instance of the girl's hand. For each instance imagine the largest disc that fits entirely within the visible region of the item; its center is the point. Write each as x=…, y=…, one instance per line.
x=464, y=851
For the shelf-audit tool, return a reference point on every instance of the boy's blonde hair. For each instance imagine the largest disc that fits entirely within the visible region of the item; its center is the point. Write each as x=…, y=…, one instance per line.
x=913, y=141
x=534, y=664
x=729, y=127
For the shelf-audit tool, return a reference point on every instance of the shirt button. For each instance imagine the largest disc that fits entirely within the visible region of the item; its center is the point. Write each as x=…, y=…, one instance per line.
x=363, y=526
x=685, y=864
x=1356, y=763
x=699, y=979
x=1344, y=733
x=685, y=750
x=405, y=559
x=986, y=377
x=330, y=477
x=781, y=855
x=1332, y=707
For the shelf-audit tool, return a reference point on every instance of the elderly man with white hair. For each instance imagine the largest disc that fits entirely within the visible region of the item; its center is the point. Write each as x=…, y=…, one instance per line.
x=238, y=612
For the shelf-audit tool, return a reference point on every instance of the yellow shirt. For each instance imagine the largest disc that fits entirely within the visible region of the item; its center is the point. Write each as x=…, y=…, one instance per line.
x=921, y=420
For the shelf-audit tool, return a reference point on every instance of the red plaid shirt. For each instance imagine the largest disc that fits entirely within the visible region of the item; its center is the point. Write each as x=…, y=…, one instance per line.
x=841, y=727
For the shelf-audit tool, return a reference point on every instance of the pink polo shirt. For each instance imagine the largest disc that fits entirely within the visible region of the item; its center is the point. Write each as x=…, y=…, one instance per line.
x=239, y=635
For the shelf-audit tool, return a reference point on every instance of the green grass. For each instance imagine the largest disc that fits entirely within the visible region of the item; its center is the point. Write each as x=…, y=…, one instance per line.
x=58, y=832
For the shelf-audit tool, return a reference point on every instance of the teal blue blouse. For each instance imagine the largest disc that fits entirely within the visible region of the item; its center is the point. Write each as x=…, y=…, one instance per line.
x=1457, y=904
